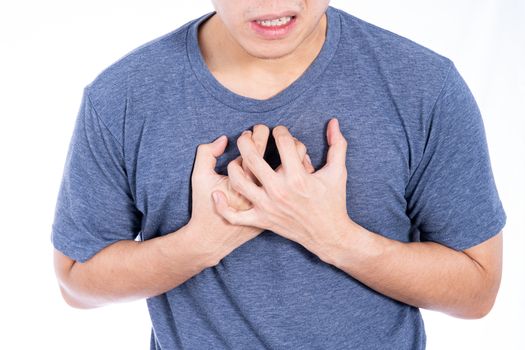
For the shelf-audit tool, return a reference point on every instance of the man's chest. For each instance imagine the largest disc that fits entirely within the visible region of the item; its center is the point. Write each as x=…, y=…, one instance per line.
x=377, y=159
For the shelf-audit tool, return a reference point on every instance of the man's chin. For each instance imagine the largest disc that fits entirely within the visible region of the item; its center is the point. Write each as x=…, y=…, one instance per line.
x=270, y=54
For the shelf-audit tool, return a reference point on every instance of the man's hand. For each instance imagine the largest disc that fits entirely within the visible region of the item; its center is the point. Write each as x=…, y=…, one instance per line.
x=295, y=203
x=310, y=209
x=219, y=236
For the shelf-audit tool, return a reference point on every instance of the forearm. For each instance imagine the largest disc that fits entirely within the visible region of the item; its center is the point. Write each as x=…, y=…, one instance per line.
x=422, y=274
x=131, y=270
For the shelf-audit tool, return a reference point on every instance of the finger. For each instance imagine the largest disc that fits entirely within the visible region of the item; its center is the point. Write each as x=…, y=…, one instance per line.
x=300, y=148
x=244, y=165
x=307, y=162
x=260, y=136
x=254, y=161
x=232, y=215
x=337, y=145
x=301, y=151
x=242, y=183
x=307, y=166
x=287, y=151
x=207, y=153
x=245, y=169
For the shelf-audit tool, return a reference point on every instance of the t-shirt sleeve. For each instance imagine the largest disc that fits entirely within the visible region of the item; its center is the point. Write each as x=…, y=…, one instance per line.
x=452, y=197
x=94, y=207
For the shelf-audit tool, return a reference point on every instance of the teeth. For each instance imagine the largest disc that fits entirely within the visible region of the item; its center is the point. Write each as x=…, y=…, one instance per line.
x=275, y=22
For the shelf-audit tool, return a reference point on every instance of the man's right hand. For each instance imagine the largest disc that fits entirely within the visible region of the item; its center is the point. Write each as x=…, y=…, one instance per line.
x=215, y=235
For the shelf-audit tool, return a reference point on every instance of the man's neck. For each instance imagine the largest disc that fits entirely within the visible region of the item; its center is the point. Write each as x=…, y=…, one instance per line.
x=226, y=59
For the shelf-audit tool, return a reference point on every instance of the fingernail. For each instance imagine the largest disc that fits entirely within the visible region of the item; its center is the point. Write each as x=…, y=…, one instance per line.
x=215, y=197
x=218, y=139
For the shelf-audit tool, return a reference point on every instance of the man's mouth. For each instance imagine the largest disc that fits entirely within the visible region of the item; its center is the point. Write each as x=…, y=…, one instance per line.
x=274, y=26
x=278, y=22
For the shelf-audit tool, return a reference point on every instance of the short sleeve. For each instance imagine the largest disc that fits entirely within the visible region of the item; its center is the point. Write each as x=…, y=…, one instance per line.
x=94, y=207
x=452, y=197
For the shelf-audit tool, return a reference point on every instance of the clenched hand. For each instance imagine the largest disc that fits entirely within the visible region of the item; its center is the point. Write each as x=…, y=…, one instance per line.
x=295, y=203
x=216, y=235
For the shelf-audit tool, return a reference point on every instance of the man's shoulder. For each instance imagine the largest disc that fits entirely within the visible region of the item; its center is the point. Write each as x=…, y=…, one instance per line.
x=140, y=66
x=394, y=53
x=135, y=72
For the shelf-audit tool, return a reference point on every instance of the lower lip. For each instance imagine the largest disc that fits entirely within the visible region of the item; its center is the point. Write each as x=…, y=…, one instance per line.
x=273, y=33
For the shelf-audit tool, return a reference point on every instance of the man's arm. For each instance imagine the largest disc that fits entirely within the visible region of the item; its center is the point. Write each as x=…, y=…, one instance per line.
x=429, y=275
x=129, y=270
x=310, y=209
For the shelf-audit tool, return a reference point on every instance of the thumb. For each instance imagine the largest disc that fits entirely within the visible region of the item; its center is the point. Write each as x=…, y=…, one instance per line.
x=337, y=145
x=207, y=153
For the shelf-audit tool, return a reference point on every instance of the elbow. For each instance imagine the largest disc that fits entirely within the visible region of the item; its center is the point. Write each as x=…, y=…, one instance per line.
x=73, y=302
x=472, y=311
x=64, y=268
x=483, y=298
x=481, y=303
x=480, y=310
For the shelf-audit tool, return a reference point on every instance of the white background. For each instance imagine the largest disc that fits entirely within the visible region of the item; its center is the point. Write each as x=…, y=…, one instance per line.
x=51, y=49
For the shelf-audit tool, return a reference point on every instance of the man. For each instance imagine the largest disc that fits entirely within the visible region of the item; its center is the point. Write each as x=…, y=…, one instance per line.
x=397, y=208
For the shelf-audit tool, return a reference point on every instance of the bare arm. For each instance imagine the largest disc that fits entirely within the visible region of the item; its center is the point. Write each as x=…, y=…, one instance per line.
x=129, y=270
x=463, y=284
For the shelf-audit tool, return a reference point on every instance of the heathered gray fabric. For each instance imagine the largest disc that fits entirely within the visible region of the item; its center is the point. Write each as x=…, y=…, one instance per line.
x=418, y=168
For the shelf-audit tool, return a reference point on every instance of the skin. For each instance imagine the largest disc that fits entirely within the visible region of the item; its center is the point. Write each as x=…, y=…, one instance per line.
x=310, y=209
x=255, y=67
x=255, y=197
x=128, y=270
x=226, y=237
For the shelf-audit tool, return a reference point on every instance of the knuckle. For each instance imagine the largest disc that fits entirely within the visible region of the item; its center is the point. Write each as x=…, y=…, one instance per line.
x=243, y=137
x=280, y=137
x=301, y=148
x=283, y=139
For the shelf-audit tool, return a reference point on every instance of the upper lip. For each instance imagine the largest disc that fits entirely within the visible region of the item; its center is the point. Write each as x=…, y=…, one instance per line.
x=274, y=16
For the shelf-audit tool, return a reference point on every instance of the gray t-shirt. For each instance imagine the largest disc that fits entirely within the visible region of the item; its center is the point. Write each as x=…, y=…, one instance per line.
x=418, y=169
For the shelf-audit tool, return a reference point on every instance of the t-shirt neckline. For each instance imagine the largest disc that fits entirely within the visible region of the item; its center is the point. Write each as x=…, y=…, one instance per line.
x=248, y=104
